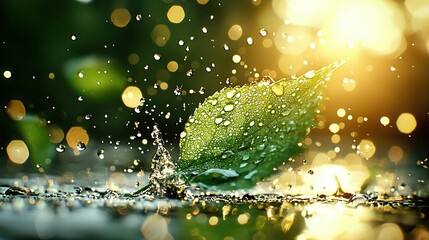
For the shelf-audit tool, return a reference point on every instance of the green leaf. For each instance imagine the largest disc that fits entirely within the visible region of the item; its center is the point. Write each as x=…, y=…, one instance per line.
x=36, y=134
x=239, y=135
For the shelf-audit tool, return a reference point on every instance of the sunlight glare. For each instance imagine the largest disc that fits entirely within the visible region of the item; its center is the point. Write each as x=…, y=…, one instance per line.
x=374, y=25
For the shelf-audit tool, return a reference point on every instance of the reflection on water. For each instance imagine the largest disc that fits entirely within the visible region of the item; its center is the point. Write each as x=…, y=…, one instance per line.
x=78, y=212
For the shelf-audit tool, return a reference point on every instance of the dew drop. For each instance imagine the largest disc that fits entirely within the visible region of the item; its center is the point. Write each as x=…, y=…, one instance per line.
x=226, y=123
x=277, y=89
x=61, y=148
x=228, y=107
x=218, y=120
x=252, y=123
x=310, y=74
x=245, y=157
x=230, y=94
x=265, y=81
x=183, y=134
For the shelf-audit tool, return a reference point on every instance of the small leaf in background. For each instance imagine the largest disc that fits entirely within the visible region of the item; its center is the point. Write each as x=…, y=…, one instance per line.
x=35, y=134
x=239, y=135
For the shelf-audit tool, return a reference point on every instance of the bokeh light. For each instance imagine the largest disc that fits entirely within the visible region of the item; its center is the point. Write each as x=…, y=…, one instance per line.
x=395, y=154
x=366, y=148
x=76, y=136
x=132, y=97
x=155, y=227
x=349, y=84
x=15, y=110
x=406, y=123
x=176, y=14
x=56, y=134
x=203, y=2
x=341, y=112
x=384, y=120
x=418, y=8
x=7, y=74
x=161, y=34
x=133, y=58
x=390, y=231
x=17, y=151
x=172, y=66
x=120, y=17
x=235, y=32
x=334, y=128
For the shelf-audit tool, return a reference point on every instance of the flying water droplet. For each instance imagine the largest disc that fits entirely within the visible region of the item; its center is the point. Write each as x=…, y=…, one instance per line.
x=81, y=146
x=202, y=91
x=178, y=91
x=190, y=72
x=157, y=56
x=61, y=148
x=263, y=32
x=100, y=154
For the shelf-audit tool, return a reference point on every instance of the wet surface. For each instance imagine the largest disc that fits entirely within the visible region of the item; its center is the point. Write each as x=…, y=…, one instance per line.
x=75, y=212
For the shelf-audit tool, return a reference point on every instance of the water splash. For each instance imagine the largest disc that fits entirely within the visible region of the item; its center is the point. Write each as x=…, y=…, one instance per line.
x=162, y=181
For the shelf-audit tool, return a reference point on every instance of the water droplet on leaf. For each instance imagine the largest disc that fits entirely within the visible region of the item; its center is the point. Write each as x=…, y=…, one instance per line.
x=228, y=107
x=310, y=74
